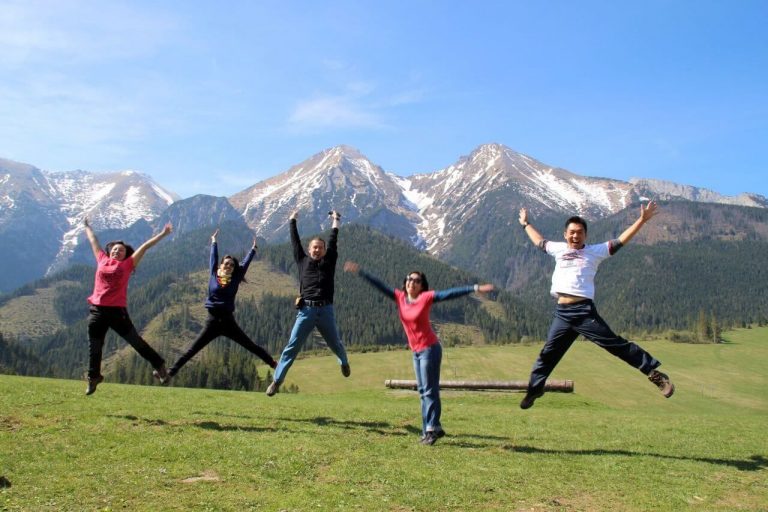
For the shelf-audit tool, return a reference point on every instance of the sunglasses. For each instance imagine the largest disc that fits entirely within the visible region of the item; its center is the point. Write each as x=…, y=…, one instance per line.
x=414, y=279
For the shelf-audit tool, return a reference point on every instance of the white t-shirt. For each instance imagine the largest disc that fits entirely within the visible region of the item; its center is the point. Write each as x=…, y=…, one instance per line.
x=575, y=269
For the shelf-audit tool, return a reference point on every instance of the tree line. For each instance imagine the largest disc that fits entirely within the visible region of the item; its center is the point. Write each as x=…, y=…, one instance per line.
x=646, y=289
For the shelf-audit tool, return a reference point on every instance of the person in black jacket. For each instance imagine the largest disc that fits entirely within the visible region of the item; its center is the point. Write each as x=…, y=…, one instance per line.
x=317, y=271
x=223, y=283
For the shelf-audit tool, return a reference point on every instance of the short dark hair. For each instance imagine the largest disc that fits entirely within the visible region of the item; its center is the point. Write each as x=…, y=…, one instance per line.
x=128, y=249
x=422, y=275
x=319, y=239
x=576, y=220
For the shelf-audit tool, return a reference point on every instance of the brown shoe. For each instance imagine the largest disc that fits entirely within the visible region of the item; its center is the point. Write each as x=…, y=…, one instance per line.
x=662, y=382
x=92, y=383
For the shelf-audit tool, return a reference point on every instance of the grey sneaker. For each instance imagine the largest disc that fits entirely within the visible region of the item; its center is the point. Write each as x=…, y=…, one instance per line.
x=273, y=388
x=429, y=438
x=530, y=397
x=346, y=370
x=662, y=382
x=92, y=383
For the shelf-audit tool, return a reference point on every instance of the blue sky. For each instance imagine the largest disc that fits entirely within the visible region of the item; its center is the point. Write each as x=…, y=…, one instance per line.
x=212, y=97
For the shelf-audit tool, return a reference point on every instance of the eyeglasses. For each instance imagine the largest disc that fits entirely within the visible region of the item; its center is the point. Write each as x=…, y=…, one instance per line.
x=413, y=279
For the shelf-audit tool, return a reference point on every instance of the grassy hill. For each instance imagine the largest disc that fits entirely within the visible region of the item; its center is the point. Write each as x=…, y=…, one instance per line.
x=351, y=444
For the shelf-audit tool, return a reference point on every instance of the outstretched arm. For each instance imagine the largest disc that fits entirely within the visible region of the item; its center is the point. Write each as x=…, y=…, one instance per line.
x=353, y=267
x=298, y=250
x=646, y=213
x=249, y=257
x=92, y=239
x=333, y=238
x=534, y=235
x=453, y=293
x=139, y=254
x=214, y=259
x=336, y=219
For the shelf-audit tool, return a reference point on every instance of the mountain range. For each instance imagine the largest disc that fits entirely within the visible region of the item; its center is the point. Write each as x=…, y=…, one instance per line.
x=462, y=214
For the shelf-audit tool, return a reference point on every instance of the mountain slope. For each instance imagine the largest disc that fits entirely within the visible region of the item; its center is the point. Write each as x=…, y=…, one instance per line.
x=464, y=214
x=41, y=213
x=338, y=178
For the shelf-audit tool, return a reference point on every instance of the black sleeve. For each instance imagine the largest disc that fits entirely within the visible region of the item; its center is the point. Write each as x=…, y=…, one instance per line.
x=298, y=250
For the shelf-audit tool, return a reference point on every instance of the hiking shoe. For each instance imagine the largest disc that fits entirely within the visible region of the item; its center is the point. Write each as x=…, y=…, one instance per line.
x=430, y=438
x=346, y=370
x=161, y=374
x=273, y=388
x=438, y=434
x=662, y=382
x=92, y=383
x=530, y=397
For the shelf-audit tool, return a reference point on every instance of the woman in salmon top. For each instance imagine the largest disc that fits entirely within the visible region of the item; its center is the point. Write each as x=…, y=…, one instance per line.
x=109, y=300
x=414, y=302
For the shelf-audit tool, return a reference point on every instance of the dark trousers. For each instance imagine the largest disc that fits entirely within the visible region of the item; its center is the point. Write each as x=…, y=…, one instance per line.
x=571, y=320
x=100, y=320
x=221, y=323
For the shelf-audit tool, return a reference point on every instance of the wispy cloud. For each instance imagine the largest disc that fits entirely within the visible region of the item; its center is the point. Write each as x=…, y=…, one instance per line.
x=334, y=111
x=78, y=31
x=360, y=105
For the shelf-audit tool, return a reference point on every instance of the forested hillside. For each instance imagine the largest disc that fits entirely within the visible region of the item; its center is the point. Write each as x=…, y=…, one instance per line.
x=169, y=288
x=643, y=289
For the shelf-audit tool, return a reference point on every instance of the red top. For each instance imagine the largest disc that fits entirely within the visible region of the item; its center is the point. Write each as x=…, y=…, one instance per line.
x=414, y=316
x=110, y=285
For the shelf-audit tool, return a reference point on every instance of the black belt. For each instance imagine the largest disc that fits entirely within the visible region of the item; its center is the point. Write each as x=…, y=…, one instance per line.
x=316, y=303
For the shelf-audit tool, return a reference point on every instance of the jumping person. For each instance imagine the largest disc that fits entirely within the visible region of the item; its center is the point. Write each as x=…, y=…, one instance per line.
x=223, y=283
x=414, y=303
x=315, y=302
x=573, y=285
x=109, y=300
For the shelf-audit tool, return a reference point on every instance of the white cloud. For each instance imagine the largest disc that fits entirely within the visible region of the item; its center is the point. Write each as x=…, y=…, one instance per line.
x=334, y=111
x=359, y=106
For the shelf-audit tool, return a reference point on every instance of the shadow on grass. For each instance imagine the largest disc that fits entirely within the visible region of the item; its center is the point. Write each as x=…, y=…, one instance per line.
x=377, y=427
x=136, y=420
x=753, y=463
x=208, y=425
x=387, y=429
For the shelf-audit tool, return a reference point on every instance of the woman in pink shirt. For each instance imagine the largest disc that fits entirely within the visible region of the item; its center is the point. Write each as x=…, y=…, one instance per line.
x=414, y=302
x=114, y=266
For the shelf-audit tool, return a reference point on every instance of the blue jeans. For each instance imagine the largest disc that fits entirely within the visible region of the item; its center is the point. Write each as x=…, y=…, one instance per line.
x=426, y=364
x=581, y=318
x=307, y=319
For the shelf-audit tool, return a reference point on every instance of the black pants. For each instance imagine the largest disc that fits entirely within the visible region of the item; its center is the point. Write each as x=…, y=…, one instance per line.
x=581, y=318
x=100, y=320
x=221, y=323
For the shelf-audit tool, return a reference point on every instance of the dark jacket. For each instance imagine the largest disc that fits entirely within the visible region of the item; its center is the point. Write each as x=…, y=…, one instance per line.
x=223, y=297
x=315, y=277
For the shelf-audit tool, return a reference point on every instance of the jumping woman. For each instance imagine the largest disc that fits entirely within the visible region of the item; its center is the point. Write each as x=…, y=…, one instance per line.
x=114, y=267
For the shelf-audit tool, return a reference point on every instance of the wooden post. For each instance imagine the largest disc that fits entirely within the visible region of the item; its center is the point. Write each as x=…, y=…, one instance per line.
x=565, y=386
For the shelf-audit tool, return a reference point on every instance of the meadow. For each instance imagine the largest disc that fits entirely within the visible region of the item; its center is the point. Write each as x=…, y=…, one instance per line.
x=351, y=444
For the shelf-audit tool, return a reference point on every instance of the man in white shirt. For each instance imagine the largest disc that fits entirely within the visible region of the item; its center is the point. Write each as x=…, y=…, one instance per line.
x=573, y=285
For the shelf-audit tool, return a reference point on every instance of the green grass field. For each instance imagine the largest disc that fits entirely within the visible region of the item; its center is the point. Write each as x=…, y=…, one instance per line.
x=351, y=444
